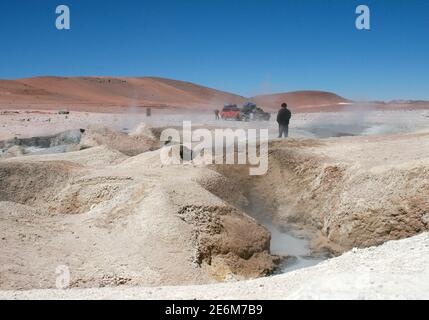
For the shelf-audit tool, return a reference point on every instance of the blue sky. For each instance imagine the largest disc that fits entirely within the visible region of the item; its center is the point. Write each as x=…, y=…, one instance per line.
x=243, y=46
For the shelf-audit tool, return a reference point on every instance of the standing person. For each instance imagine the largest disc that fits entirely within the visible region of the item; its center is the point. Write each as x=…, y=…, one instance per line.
x=283, y=119
x=217, y=114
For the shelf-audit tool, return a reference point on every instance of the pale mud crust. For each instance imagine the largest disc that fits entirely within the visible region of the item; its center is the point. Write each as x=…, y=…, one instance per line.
x=95, y=157
x=394, y=270
x=118, y=220
x=115, y=220
x=127, y=144
x=337, y=193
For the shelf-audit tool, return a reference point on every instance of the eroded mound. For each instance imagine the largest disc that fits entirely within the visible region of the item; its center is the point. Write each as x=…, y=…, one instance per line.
x=117, y=223
x=35, y=183
x=343, y=193
x=140, y=141
x=117, y=220
x=222, y=241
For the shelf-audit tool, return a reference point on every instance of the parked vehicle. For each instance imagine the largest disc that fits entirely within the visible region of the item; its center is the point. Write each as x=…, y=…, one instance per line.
x=251, y=112
x=230, y=112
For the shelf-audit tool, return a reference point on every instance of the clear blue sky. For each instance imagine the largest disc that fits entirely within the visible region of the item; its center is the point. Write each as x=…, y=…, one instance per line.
x=243, y=46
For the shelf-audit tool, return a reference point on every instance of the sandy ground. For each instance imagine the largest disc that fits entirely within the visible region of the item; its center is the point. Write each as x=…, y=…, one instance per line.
x=304, y=125
x=116, y=220
x=395, y=270
x=117, y=217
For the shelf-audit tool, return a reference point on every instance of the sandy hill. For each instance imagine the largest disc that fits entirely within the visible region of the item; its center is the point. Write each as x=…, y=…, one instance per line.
x=113, y=94
x=108, y=93
x=99, y=92
x=302, y=100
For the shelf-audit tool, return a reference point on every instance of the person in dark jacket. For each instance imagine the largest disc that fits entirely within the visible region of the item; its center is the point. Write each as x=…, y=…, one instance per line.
x=217, y=112
x=283, y=119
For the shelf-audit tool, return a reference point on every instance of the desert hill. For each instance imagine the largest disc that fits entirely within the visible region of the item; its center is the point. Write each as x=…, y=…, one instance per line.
x=116, y=94
x=302, y=100
x=99, y=92
x=96, y=93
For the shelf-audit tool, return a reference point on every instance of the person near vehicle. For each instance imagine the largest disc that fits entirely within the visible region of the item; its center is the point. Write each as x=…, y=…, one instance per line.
x=283, y=119
x=217, y=112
